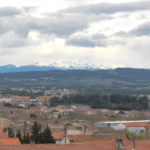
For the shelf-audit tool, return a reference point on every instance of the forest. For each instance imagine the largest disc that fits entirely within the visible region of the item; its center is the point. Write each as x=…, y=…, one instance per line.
x=112, y=102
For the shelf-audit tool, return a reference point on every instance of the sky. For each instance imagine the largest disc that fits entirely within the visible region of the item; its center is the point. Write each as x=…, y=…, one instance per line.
x=98, y=31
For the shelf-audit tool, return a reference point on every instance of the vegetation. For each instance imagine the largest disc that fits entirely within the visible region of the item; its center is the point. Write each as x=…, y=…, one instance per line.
x=121, y=77
x=32, y=115
x=19, y=136
x=114, y=101
x=10, y=133
x=131, y=136
x=41, y=137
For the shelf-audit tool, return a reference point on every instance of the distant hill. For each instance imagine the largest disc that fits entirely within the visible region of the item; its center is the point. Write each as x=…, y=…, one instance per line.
x=120, y=77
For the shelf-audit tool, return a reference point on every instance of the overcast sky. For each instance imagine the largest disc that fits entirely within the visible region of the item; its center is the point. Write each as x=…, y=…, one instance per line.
x=110, y=31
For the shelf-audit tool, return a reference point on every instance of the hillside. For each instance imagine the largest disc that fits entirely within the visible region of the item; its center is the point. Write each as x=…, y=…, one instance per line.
x=120, y=77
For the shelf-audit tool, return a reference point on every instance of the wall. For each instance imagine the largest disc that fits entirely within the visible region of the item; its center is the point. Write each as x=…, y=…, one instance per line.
x=4, y=123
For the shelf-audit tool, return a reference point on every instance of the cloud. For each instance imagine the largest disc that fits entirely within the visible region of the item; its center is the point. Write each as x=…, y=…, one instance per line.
x=88, y=41
x=14, y=40
x=109, y=8
x=140, y=30
x=9, y=11
x=59, y=25
x=30, y=9
x=143, y=29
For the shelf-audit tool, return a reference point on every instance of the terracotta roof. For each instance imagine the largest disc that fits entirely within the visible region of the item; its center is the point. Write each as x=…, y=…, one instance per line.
x=10, y=141
x=3, y=134
x=136, y=124
x=21, y=97
x=104, y=137
x=58, y=134
x=139, y=145
x=95, y=146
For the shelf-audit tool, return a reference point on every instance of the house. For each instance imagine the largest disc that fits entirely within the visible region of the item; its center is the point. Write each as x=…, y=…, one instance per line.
x=79, y=107
x=5, y=140
x=114, y=124
x=136, y=128
x=9, y=141
x=43, y=99
x=4, y=123
x=58, y=136
x=19, y=99
x=103, y=110
x=5, y=100
x=116, y=111
x=91, y=112
x=95, y=137
x=63, y=110
x=71, y=130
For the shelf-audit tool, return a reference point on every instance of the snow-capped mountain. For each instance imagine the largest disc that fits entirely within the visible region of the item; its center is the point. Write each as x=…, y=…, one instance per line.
x=77, y=64
x=66, y=64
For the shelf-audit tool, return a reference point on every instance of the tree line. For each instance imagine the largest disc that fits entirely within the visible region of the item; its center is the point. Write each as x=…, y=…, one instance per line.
x=114, y=101
x=37, y=135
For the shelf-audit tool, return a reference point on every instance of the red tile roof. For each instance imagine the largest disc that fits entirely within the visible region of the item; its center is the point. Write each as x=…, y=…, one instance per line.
x=10, y=141
x=139, y=145
x=104, y=137
x=136, y=124
x=58, y=134
x=3, y=134
x=95, y=146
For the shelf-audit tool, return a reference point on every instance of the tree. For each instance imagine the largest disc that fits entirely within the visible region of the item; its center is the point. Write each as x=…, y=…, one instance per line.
x=10, y=133
x=47, y=136
x=4, y=129
x=59, y=116
x=26, y=138
x=33, y=115
x=35, y=133
x=19, y=136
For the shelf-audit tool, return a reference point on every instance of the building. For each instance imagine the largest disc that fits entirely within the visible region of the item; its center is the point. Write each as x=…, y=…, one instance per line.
x=136, y=128
x=5, y=140
x=43, y=98
x=4, y=123
x=58, y=136
x=5, y=100
x=114, y=124
x=80, y=107
x=19, y=99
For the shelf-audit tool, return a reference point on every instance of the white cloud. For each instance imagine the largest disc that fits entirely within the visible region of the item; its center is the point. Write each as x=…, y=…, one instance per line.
x=51, y=30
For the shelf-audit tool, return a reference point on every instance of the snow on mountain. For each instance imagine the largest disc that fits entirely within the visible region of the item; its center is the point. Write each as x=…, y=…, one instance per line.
x=80, y=64
x=66, y=64
x=73, y=64
x=40, y=64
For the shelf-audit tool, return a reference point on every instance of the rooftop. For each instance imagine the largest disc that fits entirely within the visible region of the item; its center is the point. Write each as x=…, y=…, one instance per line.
x=136, y=124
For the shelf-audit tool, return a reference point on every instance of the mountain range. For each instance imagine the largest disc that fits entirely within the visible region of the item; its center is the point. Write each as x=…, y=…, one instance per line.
x=66, y=64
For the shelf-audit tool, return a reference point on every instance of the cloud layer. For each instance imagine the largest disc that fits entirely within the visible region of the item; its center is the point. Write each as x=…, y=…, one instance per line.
x=91, y=31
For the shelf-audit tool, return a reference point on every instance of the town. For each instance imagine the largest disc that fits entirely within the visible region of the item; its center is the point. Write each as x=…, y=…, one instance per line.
x=69, y=124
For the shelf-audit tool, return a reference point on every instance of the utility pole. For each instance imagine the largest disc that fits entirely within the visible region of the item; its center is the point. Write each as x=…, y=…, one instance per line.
x=84, y=129
x=133, y=142
x=25, y=124
x=66, y=132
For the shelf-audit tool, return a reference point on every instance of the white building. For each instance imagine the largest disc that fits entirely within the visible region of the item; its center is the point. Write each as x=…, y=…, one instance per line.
x=116, y=124
x=136, y=128
x=6, y=100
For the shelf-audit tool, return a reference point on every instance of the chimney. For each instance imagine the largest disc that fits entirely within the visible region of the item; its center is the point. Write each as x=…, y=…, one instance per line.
x=32, y=141
x=118, y=143
x=96, y=134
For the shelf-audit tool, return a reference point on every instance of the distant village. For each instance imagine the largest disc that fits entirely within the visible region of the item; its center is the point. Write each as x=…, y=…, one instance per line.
x=71, y=124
